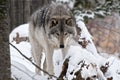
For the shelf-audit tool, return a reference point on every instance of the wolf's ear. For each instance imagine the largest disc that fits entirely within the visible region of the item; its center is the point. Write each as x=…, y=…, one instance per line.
x=35, y=18
x=38, y=17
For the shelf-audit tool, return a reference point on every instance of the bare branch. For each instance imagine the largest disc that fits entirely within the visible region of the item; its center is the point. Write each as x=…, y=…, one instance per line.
x=33, y=62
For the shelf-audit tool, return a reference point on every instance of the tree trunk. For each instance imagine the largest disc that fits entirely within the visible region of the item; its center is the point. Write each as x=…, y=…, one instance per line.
x=35, y=4
x=5, y=73
x=20, y=10
x=26, y=8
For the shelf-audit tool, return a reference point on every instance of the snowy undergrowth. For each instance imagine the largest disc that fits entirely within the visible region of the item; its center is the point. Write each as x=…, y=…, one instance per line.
x=93, y=68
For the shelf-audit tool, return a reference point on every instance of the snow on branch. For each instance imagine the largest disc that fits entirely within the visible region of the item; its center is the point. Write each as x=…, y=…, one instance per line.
x=83, y=65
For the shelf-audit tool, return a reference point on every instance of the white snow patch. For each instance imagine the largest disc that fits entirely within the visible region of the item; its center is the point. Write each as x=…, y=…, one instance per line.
x=24, y=70
x=22, y=29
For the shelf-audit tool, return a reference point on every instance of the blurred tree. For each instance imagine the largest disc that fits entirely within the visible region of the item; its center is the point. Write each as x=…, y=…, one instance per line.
x=5, y=73
x=102, y=18
x=88, y=9
x=20, y=10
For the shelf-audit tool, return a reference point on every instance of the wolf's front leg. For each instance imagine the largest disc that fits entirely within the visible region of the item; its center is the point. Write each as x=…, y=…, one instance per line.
x=37, y=55
x=49, y=60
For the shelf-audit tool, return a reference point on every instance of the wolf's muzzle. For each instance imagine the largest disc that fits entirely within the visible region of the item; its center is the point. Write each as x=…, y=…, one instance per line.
x=62, y=46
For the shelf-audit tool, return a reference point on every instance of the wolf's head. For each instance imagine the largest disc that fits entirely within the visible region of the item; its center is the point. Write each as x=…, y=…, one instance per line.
x=58, y=23
x=61, y=27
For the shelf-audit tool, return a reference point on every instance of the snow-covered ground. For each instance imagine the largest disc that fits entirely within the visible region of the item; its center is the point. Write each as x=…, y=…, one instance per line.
x=22, y=69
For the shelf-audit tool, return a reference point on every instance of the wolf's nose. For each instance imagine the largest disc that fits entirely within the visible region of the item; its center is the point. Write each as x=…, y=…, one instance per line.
x=61, y=46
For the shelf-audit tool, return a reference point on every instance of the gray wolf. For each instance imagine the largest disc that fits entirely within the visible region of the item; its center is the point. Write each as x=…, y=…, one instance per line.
x=51, y=27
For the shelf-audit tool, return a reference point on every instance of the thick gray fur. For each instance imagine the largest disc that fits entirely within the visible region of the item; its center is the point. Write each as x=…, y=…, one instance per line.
x=51, y=27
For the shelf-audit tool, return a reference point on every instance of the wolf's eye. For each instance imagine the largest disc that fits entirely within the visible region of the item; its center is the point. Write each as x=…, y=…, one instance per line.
x=54, y=22
x=69, y=22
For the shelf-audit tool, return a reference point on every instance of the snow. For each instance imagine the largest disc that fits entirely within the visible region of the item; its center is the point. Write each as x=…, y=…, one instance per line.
x=20, y=72
x=57, y=60
x=24, y=47
x=114, y=68
x=84, y=31
x=80, y=15
x=87, y=36
x=82, y=56
x=22, y=69
x=21, y=29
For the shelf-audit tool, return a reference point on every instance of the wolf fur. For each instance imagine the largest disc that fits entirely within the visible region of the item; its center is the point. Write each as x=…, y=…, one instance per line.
x=51, y=27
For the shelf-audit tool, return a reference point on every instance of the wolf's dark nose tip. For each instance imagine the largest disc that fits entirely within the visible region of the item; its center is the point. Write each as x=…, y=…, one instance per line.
x=61, y=46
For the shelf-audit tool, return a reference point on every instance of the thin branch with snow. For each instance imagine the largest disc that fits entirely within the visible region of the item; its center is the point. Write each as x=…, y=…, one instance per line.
x=33, y=62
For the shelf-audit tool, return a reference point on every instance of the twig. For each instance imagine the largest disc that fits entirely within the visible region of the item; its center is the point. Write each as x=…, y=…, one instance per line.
x=64, y=69
x=23, y=72
x=33, y=62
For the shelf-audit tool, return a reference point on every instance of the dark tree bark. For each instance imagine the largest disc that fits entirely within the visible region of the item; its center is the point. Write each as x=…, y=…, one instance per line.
x=26, y=8
x=20, y=10
x=5, y=73
x=12, y=11
x=35, y=4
